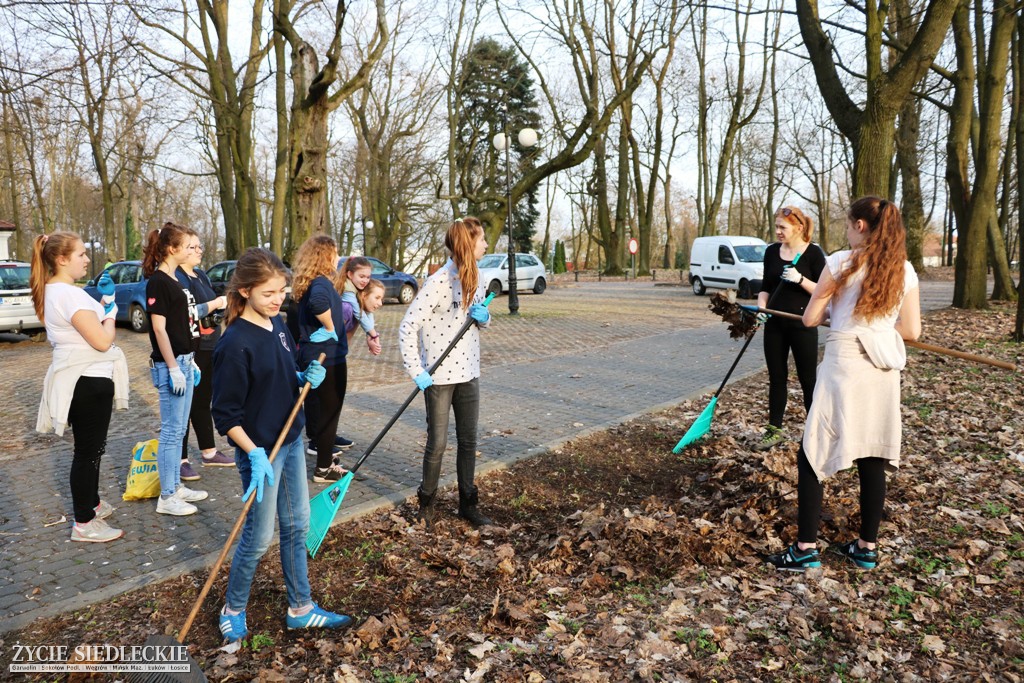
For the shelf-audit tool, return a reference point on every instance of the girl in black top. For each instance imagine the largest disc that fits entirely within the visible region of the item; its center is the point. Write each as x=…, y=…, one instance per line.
x=172, y=368
x=788, y=288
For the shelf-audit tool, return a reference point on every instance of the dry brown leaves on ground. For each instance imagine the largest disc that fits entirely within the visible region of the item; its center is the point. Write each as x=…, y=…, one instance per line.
x=616, y=560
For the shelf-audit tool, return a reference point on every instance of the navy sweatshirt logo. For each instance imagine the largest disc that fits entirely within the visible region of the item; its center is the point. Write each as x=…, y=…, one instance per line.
x=284, y=341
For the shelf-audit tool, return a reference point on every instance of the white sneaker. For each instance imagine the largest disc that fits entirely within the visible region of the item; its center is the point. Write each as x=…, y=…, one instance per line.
x=173, y=505
x=189, y=495
x=95, y=531
x=104, y=510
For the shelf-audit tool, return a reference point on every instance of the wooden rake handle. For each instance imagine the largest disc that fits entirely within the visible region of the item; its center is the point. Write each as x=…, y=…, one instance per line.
x=245, y=511
x=916, y=344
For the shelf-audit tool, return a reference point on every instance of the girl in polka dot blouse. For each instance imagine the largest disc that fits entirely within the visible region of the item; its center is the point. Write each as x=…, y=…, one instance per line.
x=441, y=307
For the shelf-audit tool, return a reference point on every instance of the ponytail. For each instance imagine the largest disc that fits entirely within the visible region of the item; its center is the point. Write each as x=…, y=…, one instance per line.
x=882, y=256
x=159, y=243
x=46, y=249
x=460, y=241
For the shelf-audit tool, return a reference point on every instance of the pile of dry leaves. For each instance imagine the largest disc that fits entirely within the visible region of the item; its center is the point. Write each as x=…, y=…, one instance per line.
x=616, y=560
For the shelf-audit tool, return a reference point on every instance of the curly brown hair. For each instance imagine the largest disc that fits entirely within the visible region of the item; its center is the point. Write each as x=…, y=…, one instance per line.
x=317, y=256
x=882, y=256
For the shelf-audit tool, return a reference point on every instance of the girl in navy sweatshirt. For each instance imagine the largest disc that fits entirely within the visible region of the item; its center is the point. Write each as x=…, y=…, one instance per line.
x=255, y=383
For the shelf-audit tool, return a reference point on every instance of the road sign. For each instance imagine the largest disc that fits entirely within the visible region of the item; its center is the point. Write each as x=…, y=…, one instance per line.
x=633, y=245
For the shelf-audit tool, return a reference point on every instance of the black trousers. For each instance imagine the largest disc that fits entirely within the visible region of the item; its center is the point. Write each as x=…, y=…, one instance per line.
x=810, y=491
x=199, y=414
x=464, y=401
x=781, y=337
x=330, y=397
x=89, y=417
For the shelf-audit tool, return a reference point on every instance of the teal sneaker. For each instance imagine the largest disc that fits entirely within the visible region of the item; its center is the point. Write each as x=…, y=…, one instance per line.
x=796, y=560
x=319, y=618
x=862, y=557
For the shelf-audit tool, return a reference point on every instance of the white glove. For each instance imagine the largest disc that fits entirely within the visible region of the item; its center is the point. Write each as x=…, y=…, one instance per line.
x=110, y=312
x=177, y=378
x=791, y=274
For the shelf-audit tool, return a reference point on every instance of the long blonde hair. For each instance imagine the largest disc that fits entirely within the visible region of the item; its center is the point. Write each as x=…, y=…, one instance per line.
x=882, y=255
x=317, y=256
x=46, y=249
x=460, y=241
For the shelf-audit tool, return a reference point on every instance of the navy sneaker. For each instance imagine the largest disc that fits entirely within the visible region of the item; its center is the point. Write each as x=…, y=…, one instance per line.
x=343, y=443
x=862, y=557
x=311, y=449
x=796, y=560
x=318, y=618
x=232, y=626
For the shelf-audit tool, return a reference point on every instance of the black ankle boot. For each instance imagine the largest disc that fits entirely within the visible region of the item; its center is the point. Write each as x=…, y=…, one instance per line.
x=427, y=510
x=468, y=508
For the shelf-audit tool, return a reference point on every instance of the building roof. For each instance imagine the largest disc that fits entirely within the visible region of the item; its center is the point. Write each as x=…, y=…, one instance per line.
x=7, y=225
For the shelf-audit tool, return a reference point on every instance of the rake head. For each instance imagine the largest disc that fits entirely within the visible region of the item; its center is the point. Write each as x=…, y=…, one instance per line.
x=700, y=426
x=322, y=510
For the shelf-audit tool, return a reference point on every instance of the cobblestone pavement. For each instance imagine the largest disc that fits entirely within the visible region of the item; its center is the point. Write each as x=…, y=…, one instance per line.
x=579, y=358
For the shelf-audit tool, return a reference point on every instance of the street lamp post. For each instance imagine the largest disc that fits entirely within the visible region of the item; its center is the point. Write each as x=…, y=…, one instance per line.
x=527, y=138
x=367, y=225
x=92, y=256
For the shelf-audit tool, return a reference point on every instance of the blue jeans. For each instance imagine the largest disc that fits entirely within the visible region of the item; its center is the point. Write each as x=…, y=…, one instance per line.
x=288, y=500
x=174, y=411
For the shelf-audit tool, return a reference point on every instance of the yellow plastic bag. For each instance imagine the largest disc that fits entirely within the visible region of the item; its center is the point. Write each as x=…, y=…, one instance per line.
x=143, y=477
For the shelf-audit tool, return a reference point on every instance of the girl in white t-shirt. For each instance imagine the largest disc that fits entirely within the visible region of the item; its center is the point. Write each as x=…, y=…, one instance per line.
x=79, y=389
x=855, y=414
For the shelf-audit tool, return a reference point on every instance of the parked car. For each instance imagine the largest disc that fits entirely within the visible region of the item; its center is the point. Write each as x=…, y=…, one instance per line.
x=220, y=275
x=727, y=261
x=16, y=311
x=397, y=285
x=129, y=293
x=530, y=273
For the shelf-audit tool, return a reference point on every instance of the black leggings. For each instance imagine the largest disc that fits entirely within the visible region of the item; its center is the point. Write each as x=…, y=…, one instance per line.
x=810, y=490
x=89, y=417
x=781, y=336
x=199, y=413
x=330, y=397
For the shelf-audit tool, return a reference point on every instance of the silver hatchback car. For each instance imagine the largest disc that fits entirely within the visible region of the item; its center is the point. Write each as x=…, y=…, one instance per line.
x=16, y=311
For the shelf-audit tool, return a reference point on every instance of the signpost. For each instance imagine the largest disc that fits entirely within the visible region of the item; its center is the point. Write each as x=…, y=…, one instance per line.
x=633, y=246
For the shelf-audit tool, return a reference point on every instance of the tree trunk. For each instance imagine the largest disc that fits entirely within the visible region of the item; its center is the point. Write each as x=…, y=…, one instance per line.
x=279, y=210
x=907, y=159
x=1018, y=76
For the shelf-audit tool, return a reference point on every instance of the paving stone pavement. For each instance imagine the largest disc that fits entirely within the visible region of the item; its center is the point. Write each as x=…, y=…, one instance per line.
x=579, y=359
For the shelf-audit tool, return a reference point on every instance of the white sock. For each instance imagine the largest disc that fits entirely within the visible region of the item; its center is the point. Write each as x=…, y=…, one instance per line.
x=228, y=612
x=301, y=612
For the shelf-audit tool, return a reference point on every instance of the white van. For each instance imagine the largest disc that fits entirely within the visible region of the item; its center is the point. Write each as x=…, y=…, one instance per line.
x=727, y=261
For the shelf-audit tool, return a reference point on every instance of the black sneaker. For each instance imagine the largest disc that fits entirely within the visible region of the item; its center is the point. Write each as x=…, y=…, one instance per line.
x=343, y=443
x=862, y=557
x=796, y=560
x=311, y=449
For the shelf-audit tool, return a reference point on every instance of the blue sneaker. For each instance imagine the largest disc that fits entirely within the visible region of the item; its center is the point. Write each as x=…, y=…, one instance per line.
x=232, y=626
x=318, y=618
x=343, y=443
x=862, y=557
x=796, y=560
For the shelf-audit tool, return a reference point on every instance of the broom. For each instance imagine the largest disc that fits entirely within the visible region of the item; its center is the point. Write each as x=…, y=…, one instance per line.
x=963, y=355
x=702, y=424
x=324, y=507
x=195, y=674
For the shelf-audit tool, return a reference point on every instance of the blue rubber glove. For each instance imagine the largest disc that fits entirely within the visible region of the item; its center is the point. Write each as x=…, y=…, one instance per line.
x=261, y=470
x=314, y=374
x=177, y=378
x=479, y=313
x=196, y=374
x=105, y=285
x=424, y=380
x=322, y=335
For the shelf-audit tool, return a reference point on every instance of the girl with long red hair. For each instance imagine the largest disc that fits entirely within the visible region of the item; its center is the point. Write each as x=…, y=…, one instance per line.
x=435, y=316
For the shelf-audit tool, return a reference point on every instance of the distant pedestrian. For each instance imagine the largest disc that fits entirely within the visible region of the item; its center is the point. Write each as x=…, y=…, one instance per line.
x=855, y=416
x=781, y=336
x=448, y=298
x=321, y=331
x=256, y=383
x=172, y=330
x=87, y=375
x=207, y=302
x=353, y=277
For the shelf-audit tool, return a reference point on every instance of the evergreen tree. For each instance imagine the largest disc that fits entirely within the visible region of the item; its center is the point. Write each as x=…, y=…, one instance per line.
x=496, y=94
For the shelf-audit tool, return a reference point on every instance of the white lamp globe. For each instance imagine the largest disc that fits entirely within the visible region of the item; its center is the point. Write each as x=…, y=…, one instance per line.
x=527, y=137
x=369, y=224
x=500, y=141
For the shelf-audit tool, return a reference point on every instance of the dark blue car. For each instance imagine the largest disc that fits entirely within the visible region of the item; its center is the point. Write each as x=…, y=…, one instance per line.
x=129, y=293
x=397, y=285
